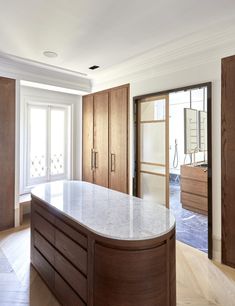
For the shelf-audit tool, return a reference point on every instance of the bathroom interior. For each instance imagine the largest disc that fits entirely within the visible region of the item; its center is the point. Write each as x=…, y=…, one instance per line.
x=172, y=159
x=188, y=165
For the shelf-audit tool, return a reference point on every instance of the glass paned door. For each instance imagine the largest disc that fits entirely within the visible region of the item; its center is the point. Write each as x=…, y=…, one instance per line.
x=47, y=145
x=153, y=149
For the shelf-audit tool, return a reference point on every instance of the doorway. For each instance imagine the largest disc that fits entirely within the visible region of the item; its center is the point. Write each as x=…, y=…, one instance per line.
x=173, y=158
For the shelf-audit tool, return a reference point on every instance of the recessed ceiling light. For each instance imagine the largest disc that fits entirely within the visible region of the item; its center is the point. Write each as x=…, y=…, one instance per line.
x=94, y=67
x=50, y=54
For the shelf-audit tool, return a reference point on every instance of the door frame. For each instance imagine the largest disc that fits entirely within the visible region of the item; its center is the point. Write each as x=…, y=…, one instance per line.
x=136, y=101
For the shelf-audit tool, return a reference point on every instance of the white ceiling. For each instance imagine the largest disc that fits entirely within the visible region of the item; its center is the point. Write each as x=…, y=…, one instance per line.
x=101, y=32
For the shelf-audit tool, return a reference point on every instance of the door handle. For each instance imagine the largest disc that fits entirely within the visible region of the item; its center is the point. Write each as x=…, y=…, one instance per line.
x=92, y=159
x=113, y=162
x=95, y=160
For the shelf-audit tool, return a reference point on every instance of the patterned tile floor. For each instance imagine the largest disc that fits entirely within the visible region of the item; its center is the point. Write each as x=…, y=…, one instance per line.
x=191, y=227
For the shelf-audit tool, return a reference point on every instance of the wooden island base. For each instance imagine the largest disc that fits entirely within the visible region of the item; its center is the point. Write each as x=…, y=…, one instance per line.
x=83, y=268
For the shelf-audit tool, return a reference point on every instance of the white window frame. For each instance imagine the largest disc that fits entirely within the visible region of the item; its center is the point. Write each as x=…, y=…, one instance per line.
x=28, y=184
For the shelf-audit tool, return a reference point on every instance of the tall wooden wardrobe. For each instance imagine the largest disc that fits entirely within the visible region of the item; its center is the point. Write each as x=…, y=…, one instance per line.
x=105, y=138
x=228, y=160
x=7, y=152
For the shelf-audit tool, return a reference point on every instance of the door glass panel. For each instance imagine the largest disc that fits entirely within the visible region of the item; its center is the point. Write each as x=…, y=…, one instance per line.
x=153, y=188
x=153, y=110
x=57, y=141
x=152, y=140
x=153, y=159
x=37, y=142
x=153, y=168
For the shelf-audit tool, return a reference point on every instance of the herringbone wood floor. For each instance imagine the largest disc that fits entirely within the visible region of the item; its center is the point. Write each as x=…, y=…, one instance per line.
x=200, y=282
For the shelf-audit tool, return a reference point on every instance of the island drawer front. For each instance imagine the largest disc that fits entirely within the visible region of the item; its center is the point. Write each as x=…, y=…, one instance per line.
x=195, y=187
x=71, y=250
x=44, y=228
x=44, y=213
x=44, y=268
x=72, y=233
x=44, y=247
x=65, y=294
x=73, y=277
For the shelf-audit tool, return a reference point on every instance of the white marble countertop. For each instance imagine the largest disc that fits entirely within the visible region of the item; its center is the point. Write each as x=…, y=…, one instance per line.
x=106, y=212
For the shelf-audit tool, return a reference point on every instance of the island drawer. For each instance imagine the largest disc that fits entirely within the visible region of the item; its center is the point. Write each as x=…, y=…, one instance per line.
x=71, y=250
x=65, y=294
x=71, y=232
x=44, y=227
x=72, y=276
x=44, y=268
x=44, y=247
x=44, y=213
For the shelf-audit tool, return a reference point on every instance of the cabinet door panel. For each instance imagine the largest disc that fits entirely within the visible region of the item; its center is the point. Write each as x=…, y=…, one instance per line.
x=7, y=152
x=118, y=131
x=87, y=169
x=101, y=144
x=228, y=161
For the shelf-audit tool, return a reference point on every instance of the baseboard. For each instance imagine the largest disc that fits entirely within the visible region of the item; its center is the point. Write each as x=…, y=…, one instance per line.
x=217, y=254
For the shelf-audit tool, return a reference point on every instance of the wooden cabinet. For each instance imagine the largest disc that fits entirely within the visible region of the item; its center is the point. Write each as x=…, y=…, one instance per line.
x=105, y=138
x=88, y=127
x=7, y=152
x=228, y=160
x=194, y=188
x=118, y=144
x=101, y=136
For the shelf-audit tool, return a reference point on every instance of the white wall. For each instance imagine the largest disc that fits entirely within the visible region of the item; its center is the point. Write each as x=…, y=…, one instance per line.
x=209, y=72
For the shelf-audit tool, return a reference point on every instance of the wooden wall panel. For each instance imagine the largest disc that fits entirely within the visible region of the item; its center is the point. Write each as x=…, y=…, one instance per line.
x=118, y=139
x=228, y=161
x=7, y=152
x=101, y=139
x=87, y=143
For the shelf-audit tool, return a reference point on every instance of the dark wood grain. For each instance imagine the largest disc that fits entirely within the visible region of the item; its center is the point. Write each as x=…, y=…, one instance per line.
x=228, y=161
x=7, y=152
x=118, y=139
x=71, y=250
x=101, y=139
x=106, y=138
x=87, y=138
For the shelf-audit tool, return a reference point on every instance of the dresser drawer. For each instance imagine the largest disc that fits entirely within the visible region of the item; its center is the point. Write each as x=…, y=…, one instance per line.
x=194, y=202
x=65, y=294
x=44, y=268
x=71, y=250
x=195, y=173
x=44, y=247
x=72, y=233
x=194, y=187
x=73, y=277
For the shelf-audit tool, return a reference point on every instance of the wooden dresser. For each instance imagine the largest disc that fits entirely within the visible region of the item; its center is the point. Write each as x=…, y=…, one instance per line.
x=194, y=188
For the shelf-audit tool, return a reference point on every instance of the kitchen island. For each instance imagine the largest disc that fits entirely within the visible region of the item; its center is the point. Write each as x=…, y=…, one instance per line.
x=98, y=247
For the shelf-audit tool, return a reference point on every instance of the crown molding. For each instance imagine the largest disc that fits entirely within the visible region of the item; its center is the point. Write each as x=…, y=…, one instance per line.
x=21, y=69
x=190, y=51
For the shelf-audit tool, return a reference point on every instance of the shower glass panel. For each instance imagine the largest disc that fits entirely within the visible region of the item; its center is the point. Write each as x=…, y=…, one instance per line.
x=153, y=123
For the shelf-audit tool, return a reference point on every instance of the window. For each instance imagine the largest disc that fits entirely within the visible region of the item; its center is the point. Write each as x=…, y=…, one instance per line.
x=48, y=144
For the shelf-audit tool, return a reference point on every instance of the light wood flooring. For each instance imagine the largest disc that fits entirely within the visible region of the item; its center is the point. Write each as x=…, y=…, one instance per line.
x=200, y=282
